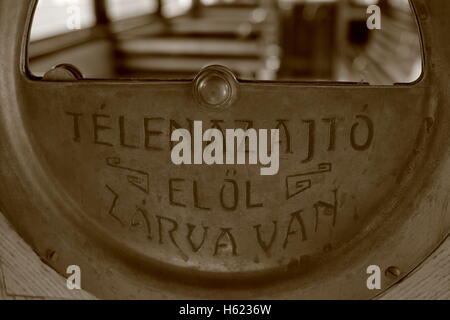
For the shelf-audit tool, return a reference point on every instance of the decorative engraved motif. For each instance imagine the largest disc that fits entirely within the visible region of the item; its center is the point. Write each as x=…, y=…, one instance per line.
x=295, y=184
x=138, y=179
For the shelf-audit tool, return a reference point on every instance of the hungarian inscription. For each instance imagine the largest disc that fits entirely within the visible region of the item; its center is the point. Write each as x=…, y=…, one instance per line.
x=236, y=194
x=154, y=133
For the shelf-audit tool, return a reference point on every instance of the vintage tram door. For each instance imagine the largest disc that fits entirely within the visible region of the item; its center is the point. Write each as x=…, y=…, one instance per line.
x=88, y=172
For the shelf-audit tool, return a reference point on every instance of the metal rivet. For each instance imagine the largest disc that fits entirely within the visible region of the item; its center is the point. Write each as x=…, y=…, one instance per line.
x=215, y=87
x=393, y=272
x=214, y=90
x=63, y=72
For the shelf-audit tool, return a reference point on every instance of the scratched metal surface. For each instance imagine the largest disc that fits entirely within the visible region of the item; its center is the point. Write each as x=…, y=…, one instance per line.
x=24, y=276
x=363, y=172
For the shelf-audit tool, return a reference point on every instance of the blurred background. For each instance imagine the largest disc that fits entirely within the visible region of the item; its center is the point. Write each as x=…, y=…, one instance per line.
x=286, y=40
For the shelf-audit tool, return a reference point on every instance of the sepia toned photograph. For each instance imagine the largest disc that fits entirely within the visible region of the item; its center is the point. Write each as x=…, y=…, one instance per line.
x=224, y=150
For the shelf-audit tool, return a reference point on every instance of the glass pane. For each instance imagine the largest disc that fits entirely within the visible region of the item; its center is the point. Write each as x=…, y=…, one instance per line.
x=174, y=8
x=53, y=17
x=122, y=9
x=363, y=41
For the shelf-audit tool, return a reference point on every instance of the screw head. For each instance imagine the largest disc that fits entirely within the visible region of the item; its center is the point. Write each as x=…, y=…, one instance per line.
x=393, y=272
x=51, y=255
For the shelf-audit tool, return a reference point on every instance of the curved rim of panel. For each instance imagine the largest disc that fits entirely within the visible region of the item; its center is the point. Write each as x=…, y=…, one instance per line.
x=124, y=280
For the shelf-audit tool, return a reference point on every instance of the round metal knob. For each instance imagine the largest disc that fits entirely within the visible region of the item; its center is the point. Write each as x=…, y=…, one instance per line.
x=215, y=87
x=63, y=72
x=214, y=90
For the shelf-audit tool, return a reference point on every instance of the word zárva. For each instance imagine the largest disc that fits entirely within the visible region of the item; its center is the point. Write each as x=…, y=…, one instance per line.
x=209, y=147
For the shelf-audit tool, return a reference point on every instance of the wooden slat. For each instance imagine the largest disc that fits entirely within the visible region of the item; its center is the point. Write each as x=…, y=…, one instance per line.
x=189, y=64
x=190, y=46
x=24, y=276
x=430, y=281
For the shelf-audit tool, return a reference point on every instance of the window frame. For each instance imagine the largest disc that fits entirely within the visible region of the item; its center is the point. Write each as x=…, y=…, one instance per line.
x=102, y=28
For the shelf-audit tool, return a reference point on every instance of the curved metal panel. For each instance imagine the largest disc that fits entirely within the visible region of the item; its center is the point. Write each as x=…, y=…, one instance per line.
x=362, y=178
